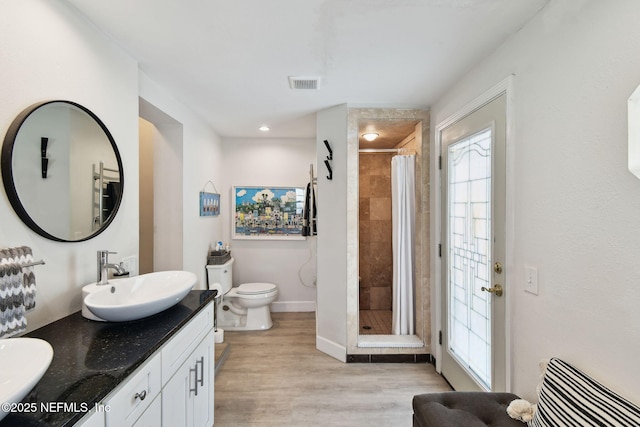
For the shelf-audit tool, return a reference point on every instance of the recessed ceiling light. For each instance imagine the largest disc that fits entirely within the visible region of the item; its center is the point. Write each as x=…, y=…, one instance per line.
x=264, y=128
x=370, y=136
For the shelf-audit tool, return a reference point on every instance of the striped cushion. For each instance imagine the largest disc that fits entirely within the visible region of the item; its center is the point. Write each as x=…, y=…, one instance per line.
x=568, y=397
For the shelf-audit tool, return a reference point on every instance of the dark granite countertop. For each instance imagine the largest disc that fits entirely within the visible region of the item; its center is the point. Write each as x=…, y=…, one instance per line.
x=91, y=358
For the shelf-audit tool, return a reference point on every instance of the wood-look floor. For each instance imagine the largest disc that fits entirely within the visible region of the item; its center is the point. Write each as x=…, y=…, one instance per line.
x=278, y=378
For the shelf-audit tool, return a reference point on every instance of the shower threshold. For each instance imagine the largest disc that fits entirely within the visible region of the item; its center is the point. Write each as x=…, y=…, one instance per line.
x=389, y=341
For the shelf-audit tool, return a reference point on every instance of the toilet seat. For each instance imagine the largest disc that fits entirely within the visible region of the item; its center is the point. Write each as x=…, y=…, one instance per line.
x=255, y=288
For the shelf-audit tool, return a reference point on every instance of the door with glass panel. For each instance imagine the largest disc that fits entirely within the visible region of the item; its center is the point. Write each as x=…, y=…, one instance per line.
x=473, y=246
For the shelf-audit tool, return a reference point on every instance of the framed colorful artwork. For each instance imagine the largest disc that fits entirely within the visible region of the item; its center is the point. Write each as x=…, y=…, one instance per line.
x=270, y=213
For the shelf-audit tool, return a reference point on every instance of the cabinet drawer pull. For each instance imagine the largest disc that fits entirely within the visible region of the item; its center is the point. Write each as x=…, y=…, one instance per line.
x=201, y=362
x=195, y=377
x=141, y=395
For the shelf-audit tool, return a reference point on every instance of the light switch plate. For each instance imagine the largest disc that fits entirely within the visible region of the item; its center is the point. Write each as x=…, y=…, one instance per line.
x=531, y=280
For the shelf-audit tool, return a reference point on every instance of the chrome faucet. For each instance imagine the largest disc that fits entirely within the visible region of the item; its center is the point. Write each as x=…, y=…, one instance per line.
x=104, y=266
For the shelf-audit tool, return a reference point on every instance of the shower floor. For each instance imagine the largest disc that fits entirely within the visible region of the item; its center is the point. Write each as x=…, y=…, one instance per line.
x=375, y=322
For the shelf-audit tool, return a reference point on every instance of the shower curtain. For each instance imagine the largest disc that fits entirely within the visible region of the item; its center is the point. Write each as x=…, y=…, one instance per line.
x=403, y=220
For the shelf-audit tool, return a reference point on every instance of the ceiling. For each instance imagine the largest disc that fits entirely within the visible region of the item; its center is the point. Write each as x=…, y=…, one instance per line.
x=231, y=60
x=389, y=133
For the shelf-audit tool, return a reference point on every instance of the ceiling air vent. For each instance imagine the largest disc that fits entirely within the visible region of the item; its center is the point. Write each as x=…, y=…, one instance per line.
x=304, y=83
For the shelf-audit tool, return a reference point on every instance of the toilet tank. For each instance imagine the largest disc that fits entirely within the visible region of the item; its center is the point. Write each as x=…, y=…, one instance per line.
x=220, y=273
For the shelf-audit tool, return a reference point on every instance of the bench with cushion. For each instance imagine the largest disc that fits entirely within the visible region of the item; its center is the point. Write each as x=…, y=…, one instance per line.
x=463, y=409
x=567, y=397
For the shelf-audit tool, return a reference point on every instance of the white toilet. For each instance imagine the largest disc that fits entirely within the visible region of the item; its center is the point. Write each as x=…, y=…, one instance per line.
x=243, y=308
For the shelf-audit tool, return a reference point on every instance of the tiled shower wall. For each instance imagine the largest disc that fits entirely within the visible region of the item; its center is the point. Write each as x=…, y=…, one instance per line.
x=376, y=264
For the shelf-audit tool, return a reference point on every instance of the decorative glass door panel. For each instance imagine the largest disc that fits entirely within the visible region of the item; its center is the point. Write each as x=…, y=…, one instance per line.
x=469, y=246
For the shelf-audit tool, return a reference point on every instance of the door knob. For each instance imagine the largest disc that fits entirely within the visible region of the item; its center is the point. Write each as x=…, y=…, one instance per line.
x=497, y=290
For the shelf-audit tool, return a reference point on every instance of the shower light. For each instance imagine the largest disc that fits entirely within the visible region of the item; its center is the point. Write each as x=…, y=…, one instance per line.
x=370, y=136
x=264, y=128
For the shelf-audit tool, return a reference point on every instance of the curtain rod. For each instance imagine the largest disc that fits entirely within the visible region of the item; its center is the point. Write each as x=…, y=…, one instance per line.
x=387, y=150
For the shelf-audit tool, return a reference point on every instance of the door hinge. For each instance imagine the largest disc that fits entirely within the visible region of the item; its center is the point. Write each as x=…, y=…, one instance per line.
x=440, y=337
x=440, y=162
x=440, y=250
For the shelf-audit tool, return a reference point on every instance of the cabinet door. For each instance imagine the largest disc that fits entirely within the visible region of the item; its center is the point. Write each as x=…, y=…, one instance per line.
x=175, y=397
x=187, y=399
x=203, y=402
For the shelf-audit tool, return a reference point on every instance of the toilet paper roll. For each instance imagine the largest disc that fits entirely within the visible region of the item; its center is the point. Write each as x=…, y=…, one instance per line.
x=216, y=287
x=218, y=336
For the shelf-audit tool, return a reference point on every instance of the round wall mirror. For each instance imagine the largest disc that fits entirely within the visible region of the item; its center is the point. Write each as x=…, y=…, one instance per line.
x=62, y=171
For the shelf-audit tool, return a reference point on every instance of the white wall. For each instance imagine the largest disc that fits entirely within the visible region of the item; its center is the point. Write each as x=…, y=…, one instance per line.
x=331, y=317
x=47, y=52
x=270, y=162
x=576, y=206
x=147, y=134
x=168, y=238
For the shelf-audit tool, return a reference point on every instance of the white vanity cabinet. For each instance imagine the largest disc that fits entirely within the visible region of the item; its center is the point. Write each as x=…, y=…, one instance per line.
x=173, y=388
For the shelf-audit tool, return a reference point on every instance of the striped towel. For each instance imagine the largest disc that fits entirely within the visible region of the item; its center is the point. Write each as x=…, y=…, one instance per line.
x=19, y=256
x=12, y=309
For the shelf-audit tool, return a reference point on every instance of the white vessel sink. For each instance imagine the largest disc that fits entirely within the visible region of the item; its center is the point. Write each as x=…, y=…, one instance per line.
x=133, y=298
x=24, y=361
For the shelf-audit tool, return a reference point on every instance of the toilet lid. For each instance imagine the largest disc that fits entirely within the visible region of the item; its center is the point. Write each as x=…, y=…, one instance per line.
x=255, y=288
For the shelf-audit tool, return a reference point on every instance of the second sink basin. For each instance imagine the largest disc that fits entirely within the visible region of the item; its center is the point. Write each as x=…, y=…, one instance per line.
x=133, y=298
x=24, y=361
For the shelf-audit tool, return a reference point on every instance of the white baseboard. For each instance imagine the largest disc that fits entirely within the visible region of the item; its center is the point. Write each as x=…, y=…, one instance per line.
x=331, y=348
x=293, y=306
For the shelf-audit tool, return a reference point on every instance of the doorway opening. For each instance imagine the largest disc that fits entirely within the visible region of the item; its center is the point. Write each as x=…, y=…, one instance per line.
x=160, y=192
x=375, y=327
x=388, y=139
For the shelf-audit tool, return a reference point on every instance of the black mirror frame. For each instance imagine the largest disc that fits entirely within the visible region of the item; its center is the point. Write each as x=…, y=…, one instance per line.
x=7, y=170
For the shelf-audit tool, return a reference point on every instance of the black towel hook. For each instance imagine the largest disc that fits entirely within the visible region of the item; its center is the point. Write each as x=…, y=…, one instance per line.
x=328, y=165
x=326, y=144
x=327, y=162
